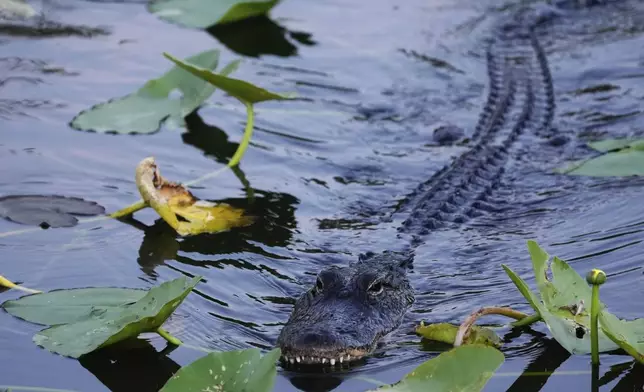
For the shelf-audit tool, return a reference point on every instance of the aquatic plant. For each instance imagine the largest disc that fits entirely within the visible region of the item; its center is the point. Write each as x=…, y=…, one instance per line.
x=205, y=13
x=200, y=220
x=618, y=157
x=151, y=106
x=85, y=320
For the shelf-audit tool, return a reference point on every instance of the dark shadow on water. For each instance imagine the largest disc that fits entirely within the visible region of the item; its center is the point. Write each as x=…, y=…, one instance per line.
x=133, y=365
x=275, y=220
x=260, y=36
x=538, y=371
x=213, y=141
x=311, y=383
x=632, y=381
x=312, y=378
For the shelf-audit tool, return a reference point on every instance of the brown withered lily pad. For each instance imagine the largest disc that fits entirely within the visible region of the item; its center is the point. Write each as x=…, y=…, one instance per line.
x=181, y=209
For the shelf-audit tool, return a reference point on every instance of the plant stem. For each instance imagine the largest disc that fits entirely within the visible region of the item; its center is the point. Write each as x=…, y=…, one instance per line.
x=129, y=210
x=248, y=132
x=471, y=319
x=595, y=278
x=243, y=145
x=533, y=318
x=594, y=332
x=166, y=335
x=10, y=285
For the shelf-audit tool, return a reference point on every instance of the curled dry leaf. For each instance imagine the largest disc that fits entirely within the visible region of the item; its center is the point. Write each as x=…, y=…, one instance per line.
x=446, y=333
x=180, y=208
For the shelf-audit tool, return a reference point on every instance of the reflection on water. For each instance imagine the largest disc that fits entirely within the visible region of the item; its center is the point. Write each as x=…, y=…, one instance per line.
x=274, y=213
x=260, y=36
x=374, y=80
x=131, y=366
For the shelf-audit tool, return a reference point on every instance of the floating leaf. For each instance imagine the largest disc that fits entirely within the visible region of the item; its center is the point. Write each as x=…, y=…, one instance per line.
x=622, y=157
x=69, y=306
x=629, y=335
x=170, y=200
x=612, y=144
x=446, y=333
x=145, y=110
x=205, y=13
x=100, y=330
x=242, y=370
x=243, y=91
x=464, y=368
x=15, y=9
x=565, y=302
x=47, y=211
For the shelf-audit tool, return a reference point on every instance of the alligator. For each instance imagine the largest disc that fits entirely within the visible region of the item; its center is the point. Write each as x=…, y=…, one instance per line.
x=351, y=308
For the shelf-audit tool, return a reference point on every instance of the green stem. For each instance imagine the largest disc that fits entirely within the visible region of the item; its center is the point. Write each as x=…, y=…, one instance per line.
x=248, y=132
x=594, y=332
x=166, y=335
x=129, y=210
x=526, y=321
x=243, y=145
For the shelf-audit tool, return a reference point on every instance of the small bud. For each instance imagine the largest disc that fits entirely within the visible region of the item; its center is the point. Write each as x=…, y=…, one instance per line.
x=596, y=277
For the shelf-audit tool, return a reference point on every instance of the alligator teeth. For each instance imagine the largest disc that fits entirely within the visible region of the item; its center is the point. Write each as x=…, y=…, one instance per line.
x=298, y=359
x=323, y=360
x=332, y=362
x=348, y=357
x=341, y=359
x=291, y=360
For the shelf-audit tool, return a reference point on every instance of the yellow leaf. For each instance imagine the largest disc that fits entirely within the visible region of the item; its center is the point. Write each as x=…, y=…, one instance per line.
x=171, y=200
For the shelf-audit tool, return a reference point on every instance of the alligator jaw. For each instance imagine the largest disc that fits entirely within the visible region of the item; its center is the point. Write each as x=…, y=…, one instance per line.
x=324, y=359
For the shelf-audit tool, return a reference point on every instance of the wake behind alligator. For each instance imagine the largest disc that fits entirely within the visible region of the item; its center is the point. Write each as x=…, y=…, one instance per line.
x=352, y=307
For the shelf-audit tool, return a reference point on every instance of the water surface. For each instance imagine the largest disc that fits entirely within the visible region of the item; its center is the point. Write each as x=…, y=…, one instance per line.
x=376, y=79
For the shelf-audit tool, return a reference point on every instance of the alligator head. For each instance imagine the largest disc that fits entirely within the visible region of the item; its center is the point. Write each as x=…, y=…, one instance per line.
x=348, y=310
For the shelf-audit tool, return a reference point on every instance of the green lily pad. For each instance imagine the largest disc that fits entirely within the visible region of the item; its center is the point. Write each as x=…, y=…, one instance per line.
x=622, y=157
x=205, y=13
x=15, y=9
x=145, y=315
x=446, y=333
x=242, y=370
x=47, y=210
x=464, y=368
x=243, y=91
x=629, y=335
x=611, y=144
x=151, y=105
x=70, y=306
x=565, y=301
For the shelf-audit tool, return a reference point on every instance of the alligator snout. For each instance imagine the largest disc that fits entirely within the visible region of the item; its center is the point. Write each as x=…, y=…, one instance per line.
x=348, y=310
x=327, y=338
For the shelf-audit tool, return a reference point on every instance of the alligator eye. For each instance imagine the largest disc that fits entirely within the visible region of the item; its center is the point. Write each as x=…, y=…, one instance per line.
x=375, y=288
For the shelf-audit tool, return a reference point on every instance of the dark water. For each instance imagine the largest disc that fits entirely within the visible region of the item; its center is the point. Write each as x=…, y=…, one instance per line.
x=377, y=79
